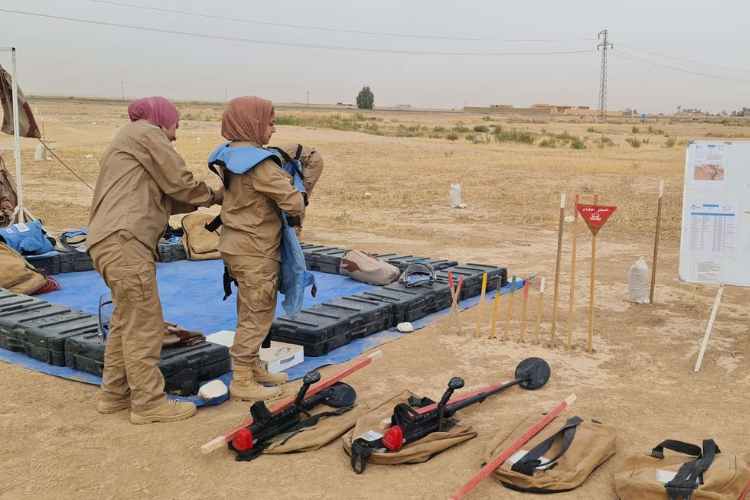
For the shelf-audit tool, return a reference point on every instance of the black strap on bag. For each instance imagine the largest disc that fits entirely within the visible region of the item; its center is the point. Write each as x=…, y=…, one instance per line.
x=690, y=475
x=532, y=460
x=227, y=281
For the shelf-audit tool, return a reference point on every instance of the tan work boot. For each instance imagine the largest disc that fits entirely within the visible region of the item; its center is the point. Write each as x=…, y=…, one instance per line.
x=168, y=411
x=263, y=376
x=246, y=388
x=107, y=404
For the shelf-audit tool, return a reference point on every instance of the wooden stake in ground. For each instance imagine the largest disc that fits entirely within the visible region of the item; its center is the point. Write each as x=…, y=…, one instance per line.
x=656, y=242
x=572, y=299
x=558, y=260
x=709, y=327
x=495, y=307
x=509, y=316
x=539, y=310
x=595, y=216
x=480, y=309
x=455, y=296
x=535, y=429
x=524, y=309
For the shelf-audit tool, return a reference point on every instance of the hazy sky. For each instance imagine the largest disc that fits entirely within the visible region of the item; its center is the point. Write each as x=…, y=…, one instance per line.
x=657, y=44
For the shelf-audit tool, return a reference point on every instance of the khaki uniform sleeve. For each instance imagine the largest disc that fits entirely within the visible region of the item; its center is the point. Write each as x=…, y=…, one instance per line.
x=170, y=173
x=269, y=179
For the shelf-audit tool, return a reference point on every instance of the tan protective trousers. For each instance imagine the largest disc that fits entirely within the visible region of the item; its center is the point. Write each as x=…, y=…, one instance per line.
x=136, y=329
x=257, y=284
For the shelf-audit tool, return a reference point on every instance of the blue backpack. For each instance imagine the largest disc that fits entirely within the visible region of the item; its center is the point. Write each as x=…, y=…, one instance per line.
x=295, y=277
x=27, y=239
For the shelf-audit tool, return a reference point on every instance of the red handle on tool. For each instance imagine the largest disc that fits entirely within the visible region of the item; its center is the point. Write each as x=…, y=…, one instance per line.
x=505, y=455
x=745, y=492
x=220, y=441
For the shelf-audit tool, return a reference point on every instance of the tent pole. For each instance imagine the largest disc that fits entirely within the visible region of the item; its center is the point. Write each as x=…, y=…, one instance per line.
x=17, y=138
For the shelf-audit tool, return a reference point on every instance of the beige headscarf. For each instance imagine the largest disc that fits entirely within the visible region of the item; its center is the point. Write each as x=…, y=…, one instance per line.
x=247, y=119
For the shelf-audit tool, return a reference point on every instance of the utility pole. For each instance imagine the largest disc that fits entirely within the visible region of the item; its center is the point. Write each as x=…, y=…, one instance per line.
x=604, y=46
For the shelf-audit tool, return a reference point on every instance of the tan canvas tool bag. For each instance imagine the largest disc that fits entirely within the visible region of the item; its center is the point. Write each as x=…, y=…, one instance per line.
x=16, y=274
x=366, y=268
x=330, y=424
x=560, y=458
x=199, y=242
x=691, y=472
x=375, y=422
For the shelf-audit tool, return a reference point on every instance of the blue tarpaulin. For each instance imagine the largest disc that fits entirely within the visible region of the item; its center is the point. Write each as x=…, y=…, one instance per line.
x=191, y=295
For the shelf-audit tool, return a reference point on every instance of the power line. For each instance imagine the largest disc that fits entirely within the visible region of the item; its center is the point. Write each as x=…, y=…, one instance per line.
x=685, y=59
x=632, y=57
x=294, y=44
x=321, y=28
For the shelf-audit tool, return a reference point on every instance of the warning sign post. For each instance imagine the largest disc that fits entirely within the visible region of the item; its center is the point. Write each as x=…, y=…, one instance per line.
x=595, y=216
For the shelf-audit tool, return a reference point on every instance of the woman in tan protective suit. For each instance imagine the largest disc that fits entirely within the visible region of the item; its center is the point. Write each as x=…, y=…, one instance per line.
x=251, y=241
x=142, y=181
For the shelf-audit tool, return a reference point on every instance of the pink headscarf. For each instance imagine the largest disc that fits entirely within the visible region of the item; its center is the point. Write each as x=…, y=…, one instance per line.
x=247, y=119
x=158, y=111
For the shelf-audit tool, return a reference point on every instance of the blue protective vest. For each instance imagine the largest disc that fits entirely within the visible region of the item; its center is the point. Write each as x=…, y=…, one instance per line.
x=294, y=274
x=26, y=239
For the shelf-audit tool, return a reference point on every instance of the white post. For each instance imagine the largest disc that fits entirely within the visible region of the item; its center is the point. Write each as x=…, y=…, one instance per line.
x=17, y=138
x=709, y=327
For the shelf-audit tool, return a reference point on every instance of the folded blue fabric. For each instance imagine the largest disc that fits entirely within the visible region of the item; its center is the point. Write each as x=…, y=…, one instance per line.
x=27, y=238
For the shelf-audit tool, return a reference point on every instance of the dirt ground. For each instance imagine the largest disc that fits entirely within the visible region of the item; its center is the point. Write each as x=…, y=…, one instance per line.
x=391, y=194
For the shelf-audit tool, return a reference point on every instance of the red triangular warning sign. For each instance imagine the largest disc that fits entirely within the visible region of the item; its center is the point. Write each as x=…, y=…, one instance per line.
x=595, y=215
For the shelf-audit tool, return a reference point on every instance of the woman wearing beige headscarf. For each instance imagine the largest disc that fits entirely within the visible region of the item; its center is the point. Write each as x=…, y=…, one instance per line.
x=251, y=242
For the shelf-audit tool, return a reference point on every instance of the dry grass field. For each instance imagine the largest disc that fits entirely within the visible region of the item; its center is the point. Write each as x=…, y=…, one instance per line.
x=385, y=188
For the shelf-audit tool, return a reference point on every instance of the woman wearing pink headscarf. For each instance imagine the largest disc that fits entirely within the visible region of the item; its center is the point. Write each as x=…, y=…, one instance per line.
x=251, y=238
x=142, y=181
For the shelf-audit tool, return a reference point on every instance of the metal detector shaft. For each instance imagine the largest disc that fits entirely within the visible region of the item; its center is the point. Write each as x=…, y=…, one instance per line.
x=531, y=374
x=461, y=398
x=469, y=400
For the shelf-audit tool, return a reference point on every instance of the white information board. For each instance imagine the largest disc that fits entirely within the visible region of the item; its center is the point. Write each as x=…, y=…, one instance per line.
x=715, y=244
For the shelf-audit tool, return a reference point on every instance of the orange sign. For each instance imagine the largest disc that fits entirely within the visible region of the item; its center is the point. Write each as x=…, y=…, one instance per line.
x=595, y=215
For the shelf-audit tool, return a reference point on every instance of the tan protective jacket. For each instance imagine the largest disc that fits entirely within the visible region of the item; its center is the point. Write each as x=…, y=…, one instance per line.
x=250, y=212
x=143, y=181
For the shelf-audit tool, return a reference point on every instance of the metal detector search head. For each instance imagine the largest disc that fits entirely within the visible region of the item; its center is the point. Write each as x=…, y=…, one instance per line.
x=340, y=395
x=533, y=373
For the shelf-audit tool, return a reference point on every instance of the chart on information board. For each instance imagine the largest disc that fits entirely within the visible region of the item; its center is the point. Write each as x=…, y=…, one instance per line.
x=715, y=244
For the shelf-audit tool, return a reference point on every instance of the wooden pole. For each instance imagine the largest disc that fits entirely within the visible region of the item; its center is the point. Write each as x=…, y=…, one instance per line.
x=493, y=316
x=745, y=492
x=480, y=309
x=509, y=317
x=656, y=241
x=709, y=327
x=535, y=429
x=556, y=293
x=459, y=321
x=539, y=310
x=590, y=341
x=572, y=299
x=524, y=310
